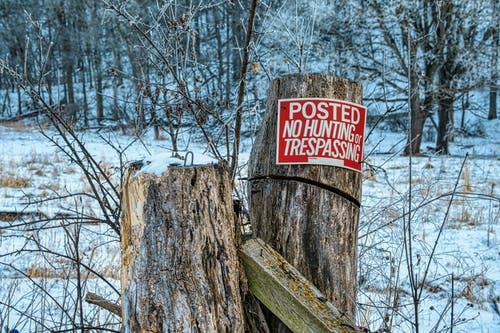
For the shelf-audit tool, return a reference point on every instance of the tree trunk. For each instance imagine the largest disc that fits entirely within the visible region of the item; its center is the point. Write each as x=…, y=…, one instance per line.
x=98, y=84
x=308, y=213
x=116, y=79
x=67, y=54
x=492, y=113
x=19, y=100
x=418, y=115
x=98, y=68
x=445, y=106
x=179, y=249
x=229, y=69
x=238, y=38
x=220, y=54
x=84, y=93
x=445, y=124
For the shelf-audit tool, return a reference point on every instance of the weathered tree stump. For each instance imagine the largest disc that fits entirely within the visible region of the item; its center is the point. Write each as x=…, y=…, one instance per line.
x=179, y=246
x=308, y=213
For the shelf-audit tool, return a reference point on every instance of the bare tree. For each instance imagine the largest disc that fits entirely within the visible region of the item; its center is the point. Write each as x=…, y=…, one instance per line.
x=435, y=49
x=495, y=46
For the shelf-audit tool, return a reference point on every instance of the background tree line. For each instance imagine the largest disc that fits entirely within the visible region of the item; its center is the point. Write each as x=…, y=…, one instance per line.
x=174, y=64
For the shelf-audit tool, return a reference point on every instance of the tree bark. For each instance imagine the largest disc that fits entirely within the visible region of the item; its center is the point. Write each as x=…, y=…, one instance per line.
x=179, y=249
x=308, y=213
x=445, y=124
x=84, y=93
x=235, y=13
x=98, y=83
x=67, y=53
x=492, y=112
x=98, y=67
x=418, y=114
x=448, y=73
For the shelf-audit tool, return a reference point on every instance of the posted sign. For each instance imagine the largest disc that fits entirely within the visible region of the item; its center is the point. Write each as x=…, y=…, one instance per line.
x=320, y=131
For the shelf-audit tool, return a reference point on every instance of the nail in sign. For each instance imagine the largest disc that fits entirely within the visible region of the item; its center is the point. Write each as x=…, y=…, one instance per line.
x=320, y=131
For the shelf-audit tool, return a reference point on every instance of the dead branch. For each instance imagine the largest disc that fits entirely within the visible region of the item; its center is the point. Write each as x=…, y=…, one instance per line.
x=101, y=302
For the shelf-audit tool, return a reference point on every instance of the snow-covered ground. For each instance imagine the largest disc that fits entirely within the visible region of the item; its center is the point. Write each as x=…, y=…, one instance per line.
x=463, y=275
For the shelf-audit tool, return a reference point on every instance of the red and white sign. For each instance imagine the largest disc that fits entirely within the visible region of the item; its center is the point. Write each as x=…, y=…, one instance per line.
x=320, y=131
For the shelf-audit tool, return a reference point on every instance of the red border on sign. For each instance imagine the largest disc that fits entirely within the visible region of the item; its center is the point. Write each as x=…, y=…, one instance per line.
x=320, y=131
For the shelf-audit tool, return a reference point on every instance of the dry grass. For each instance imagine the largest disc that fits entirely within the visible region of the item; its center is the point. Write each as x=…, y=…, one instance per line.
x=35, y=165
x=392, y=213
x=51, y=186
x=466, y=177
x=42, y=160
x=8, y=217
x=466, y=214
x=428, y=165
x=14, y=181
x=414, y=181
x=385, y=290
x=472, y=290
x=107, y=169
x=86, y=187
x=69, y=170
x=25, y=126
x=64, y=273
x=433, y=288
x=19, y=126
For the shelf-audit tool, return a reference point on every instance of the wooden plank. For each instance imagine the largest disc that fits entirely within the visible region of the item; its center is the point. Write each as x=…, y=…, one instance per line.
x=287, y=294
x=100, y=301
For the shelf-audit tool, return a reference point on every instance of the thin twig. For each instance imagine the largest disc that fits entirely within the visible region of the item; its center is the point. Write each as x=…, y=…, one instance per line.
x=441, y=228
x=241, y=92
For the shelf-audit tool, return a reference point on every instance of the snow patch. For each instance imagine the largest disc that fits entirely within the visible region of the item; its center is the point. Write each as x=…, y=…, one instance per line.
x=159, y=163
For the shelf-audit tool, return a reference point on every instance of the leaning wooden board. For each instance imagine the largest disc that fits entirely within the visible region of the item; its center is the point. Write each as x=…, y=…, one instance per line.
x=288, y=294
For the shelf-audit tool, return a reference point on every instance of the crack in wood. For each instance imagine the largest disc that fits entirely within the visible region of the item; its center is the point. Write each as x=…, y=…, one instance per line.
x=329, y=188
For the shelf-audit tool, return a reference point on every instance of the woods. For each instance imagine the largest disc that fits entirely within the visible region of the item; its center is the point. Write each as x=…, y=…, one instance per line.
x=166, y=65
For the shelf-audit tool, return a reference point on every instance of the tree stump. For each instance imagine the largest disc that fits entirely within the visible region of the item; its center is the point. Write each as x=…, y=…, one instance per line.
x=308, y=213
x=179, y=250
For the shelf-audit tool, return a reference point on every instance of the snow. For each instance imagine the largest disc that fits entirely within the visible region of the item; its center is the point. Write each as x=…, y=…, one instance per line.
x=463, y=272
x=159, y=163
x=467, y=250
